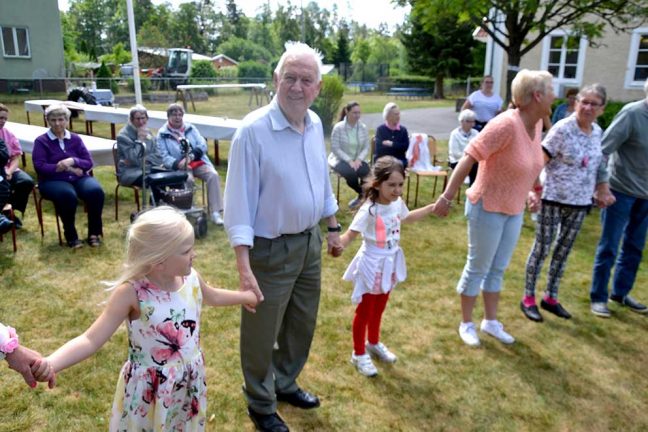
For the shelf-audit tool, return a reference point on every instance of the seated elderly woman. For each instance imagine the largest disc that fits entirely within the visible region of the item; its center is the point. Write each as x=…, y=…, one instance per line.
x=392, y=139
x=21, y=183
x=62, y=163
x=132, y=141
x=349, y=148
x=459, y=139
x=171, y=138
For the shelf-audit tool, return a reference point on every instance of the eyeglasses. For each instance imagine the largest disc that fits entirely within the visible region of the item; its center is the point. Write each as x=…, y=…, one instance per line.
x=489, y=82
x=590, y=103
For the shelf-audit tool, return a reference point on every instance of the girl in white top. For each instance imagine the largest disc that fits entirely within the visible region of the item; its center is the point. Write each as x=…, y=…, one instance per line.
x=379, y=264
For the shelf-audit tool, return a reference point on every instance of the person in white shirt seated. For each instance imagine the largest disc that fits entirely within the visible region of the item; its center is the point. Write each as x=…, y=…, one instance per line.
x=459, y=139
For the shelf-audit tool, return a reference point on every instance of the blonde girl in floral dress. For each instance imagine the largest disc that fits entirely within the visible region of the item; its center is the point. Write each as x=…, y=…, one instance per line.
x=162, y=385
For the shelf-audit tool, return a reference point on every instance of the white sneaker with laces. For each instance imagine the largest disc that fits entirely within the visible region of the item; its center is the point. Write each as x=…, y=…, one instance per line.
x=496, y=329
x=364, y=364
x=381, y=352
x=217, y=218
x=468, y=334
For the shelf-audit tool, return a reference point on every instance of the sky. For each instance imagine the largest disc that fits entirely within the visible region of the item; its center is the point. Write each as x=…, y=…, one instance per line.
x=369, y=12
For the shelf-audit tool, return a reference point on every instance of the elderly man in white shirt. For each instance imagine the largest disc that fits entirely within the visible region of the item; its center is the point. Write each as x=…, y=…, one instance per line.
x=277, y=191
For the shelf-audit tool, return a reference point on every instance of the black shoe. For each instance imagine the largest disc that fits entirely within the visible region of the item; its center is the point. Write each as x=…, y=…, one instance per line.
x=631, y=303
x=75, y=244
x=531, y=312
x=555, y=309
x=300, y=399
x=94, y=241
x=17, y=222
x=267, y=422
x=5, y=224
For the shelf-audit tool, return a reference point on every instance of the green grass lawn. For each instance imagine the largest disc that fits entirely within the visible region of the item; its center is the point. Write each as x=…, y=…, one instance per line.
x=585, y=374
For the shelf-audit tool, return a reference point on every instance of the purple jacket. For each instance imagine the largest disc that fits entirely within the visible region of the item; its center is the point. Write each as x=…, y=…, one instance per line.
x=47, y=153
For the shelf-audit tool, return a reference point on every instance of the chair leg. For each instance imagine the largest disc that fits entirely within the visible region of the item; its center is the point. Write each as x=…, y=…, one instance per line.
x=12, y=217
x=408, y=189
x=58, y=226
x=416, y=193
x=338, y=189
x=117, y=202
x=38, y=202
x=137, y=199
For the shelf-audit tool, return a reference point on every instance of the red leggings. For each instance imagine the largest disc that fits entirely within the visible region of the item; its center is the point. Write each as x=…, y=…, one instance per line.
x=368, y=316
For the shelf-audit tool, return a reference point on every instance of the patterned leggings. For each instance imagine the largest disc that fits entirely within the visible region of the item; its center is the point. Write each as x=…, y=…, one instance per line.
x=551, y=217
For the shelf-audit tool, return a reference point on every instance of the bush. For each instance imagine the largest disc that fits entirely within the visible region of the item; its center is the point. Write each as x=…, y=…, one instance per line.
x=328, y=103
x=203, y=69
x=145, y=84
x=103, y=76
x=253, y=69
x=612, y=108
x=104, y=80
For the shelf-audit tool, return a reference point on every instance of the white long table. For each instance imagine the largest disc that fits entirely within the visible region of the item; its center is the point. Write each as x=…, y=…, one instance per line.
x=216, y=128
x=259, y=92
x=100, y=148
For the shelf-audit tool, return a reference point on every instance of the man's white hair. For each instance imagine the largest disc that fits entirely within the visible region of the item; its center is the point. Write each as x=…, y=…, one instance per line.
x=299, y=49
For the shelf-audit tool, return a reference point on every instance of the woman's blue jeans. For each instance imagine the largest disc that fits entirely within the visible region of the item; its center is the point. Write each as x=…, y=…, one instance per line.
x=627, y=218
x=492, y=238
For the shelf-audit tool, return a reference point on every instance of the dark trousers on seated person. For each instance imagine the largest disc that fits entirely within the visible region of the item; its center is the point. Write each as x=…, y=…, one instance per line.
x=21, y=186
x=353, y=178
x=472, y=175
x=288, y=271
x=65, y=197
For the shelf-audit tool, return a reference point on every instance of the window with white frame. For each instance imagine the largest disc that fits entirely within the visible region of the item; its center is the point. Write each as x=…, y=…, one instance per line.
x=15, y=42
x=562, y=62
x=638, y=58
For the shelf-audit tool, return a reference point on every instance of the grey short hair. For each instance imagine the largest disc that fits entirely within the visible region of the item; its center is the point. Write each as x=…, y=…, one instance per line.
x=596, y=89
x=137, y=109
x=390, y=106
x=467, y=114
x=57, y=110
x=298, y=49
x=528, y=81
x=173, y=108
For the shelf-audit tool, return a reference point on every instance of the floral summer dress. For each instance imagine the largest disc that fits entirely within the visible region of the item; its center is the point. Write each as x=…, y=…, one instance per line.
x=162, y=385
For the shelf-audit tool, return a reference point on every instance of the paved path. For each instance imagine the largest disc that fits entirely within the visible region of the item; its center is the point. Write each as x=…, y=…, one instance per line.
x=438, y=122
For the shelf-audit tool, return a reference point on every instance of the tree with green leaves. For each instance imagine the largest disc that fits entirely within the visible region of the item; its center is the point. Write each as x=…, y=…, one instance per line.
x=518, y=26
x=89, y=17
x=185, y=29
x=260, y=30
x=439, y=48
x=342, y=49
x=244, y=49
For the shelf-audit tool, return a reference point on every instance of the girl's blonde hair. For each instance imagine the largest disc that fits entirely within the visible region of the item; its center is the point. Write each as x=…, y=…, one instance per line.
x=154, y=236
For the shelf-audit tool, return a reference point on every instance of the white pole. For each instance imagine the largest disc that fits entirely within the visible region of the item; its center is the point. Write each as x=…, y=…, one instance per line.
x=133, y=46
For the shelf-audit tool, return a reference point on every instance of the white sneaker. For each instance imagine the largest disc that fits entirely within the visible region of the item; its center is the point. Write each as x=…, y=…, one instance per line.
x=468, y=334
x=217, y=218
x=381, y=352
x=496, y=329
x=364, y=364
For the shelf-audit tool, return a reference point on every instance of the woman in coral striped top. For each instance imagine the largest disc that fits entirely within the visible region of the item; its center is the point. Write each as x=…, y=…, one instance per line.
x=510, y=159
